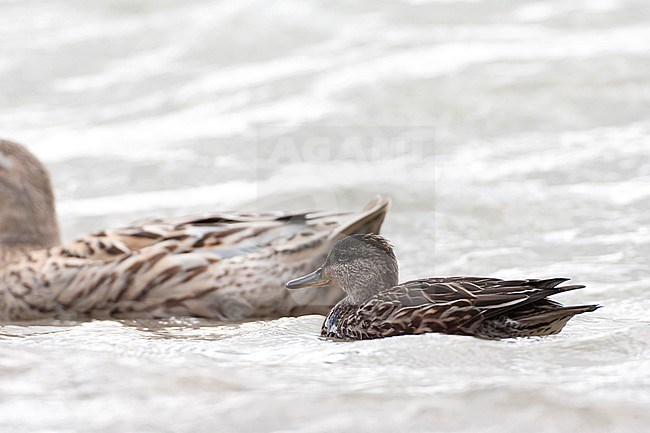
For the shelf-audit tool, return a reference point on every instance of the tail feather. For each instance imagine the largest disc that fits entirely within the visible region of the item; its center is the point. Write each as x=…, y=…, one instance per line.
x=369, y=221
x=534, y=315
x=551, y=283
x=563, y=289
x=557, y=313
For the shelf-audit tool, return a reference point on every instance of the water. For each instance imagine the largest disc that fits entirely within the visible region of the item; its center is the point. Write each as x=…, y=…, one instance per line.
x=540, y=115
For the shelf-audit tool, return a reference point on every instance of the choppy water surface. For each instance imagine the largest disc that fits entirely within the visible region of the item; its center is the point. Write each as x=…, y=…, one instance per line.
x=540, y=114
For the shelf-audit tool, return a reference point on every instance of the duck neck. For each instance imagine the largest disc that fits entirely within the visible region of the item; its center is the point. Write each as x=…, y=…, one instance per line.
x=9, y=253
x=28, y=222
x=27, y=211
x=368, y=285
x=358, y=297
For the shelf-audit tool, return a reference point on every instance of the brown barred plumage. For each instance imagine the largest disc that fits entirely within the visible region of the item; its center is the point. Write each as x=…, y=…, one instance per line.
x=224, y=266
x=482, y=307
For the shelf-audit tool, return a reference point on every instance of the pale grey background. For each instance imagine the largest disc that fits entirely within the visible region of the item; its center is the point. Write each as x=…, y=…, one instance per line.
x=541, y=113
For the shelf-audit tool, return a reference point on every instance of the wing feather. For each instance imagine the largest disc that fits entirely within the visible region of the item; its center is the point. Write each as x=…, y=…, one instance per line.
x=450, y=305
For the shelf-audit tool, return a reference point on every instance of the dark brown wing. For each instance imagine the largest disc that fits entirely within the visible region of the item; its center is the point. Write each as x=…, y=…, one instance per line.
x=455, y=305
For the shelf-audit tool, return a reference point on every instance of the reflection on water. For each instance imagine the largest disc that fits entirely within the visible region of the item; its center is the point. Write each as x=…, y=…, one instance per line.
x=536, y=163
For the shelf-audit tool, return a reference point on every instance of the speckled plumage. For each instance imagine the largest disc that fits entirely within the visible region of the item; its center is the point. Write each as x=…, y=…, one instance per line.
x=482, y=307
x=224, y=266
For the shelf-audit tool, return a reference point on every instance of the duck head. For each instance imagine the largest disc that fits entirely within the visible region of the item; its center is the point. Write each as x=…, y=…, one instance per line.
x=361, y=265
x=27, y=212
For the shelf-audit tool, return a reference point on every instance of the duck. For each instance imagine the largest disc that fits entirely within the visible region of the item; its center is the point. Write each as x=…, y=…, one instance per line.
x=224, y=266
x=377, y=306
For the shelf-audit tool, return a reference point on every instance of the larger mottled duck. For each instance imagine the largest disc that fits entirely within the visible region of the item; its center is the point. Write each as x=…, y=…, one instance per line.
x=376, y=306
x=224, y=266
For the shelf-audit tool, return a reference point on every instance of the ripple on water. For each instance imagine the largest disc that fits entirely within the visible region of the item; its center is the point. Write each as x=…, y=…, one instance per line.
x=540, y=169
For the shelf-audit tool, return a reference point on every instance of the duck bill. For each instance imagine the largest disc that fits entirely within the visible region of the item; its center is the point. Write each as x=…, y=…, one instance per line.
x=315, y=279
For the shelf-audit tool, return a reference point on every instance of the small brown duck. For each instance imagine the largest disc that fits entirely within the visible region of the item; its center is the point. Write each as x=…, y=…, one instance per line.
x=376, y=306
x=223, y=266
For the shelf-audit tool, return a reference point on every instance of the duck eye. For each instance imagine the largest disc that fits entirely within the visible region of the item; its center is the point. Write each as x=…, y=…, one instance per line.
x=343, y=256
